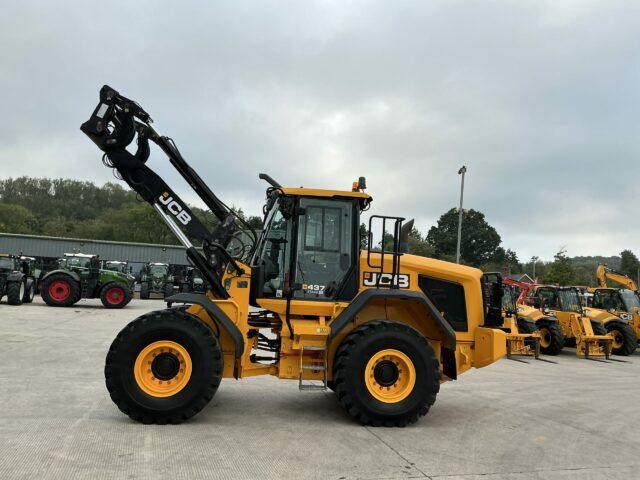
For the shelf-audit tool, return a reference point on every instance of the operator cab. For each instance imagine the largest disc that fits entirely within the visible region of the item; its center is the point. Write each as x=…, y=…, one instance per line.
x=564, y=299
x=79, y=261
x=619, y=300
x=158, y=269
x=309, y=248
x=9, y=263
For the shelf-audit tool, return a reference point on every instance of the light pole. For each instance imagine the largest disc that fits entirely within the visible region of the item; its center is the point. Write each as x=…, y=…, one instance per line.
x=462, y=171
x=534, y=259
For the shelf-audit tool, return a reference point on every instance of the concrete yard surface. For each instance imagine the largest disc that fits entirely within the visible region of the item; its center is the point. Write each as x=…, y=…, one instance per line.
x=576, y=419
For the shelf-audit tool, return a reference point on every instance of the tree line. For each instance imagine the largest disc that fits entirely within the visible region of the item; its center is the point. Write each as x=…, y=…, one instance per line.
x=481, y=247
x=72, y=208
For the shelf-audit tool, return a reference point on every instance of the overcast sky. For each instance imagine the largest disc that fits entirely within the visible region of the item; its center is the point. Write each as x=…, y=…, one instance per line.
x=540, y=99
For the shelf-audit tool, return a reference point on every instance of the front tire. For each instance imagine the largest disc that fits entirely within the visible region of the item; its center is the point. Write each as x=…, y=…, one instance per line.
x=163, y=367
x=115, y=295
x=60, y=290
x=551, y=338
x=168, y=290
x=15, y=293
x=624, y=338
x=144, y=291
x=386, y=373
x=30, y=293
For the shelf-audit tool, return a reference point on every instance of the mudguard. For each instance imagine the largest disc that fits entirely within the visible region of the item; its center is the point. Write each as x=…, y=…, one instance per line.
x=358, y=303
x=72, y=274
x=215, y=312
x=15, y=277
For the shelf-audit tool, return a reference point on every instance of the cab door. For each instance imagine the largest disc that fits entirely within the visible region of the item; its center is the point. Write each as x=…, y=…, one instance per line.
x=310, y=252
x=326, y=255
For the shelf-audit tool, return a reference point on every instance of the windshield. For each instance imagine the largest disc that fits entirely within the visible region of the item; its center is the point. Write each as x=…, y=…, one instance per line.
x=116, y=266
x=158, y=269
x=569, y=300
x=265, y=232
x=631, y=300
x=76, y=262
x=6, y=263
x=273, y=252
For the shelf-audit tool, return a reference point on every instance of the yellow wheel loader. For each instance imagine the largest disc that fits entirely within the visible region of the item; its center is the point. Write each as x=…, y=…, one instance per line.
x=301, y=300
x=590, y=336
x=621, y=302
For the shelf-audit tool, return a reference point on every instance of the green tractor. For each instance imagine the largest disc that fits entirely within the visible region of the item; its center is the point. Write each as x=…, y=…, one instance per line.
x=193, y=281
x=79, y=276
x=155, y=278
x=17, y=280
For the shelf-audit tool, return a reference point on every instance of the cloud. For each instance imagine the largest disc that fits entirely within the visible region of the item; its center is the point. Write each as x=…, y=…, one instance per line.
x=538, y=99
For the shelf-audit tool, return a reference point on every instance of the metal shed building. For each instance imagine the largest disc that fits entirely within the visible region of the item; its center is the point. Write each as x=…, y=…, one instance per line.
x=54, y=247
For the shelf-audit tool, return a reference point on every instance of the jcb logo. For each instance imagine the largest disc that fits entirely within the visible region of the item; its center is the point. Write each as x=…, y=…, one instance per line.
x=371, y=279
x=175, y=208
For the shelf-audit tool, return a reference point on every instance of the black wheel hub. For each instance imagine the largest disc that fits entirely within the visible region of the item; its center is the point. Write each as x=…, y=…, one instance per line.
x=386, y=373
x=165, y=366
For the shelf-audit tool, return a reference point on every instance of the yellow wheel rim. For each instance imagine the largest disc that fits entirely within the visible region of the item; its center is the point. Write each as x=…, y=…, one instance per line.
x=390, y=376
x=162, y=368
x=618, y=339
x=545, y=337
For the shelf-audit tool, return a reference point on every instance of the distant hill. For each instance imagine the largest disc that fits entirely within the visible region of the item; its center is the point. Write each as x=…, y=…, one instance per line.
x=593, y=262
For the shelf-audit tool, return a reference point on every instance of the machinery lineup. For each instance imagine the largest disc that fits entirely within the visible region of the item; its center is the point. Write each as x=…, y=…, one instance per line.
x=306, y=299
x=79, y=275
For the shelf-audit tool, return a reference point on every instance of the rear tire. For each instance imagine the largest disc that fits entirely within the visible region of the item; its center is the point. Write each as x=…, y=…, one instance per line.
x=15, y=293
x=371, y=389
x=198, y=368
x=115, y=295
x=168, y=290
x=551, y=338
x=60, y=290
x=624, y=338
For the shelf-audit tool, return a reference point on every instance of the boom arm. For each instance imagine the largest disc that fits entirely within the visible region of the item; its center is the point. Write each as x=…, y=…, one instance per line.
x=524, y=287
x=112, y=127
x=604, y=273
